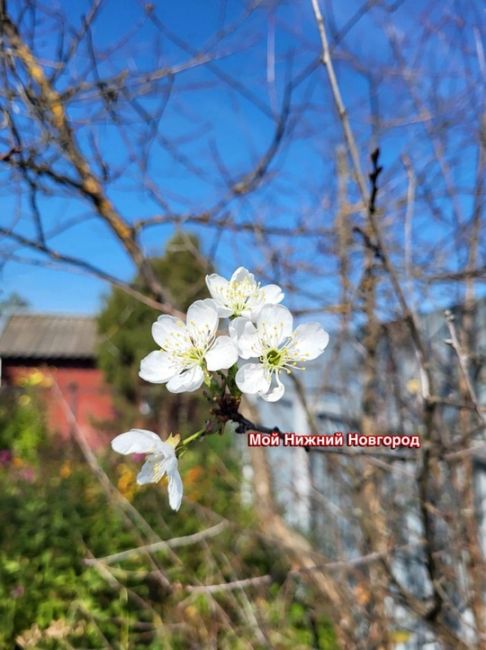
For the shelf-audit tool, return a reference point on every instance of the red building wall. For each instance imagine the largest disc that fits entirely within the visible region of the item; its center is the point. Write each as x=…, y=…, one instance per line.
x=64, y=389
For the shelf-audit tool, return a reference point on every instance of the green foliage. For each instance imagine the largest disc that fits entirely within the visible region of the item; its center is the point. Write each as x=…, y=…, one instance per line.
x=47, y=528
x=50, y=598
x=125, y=328
x=22, y=423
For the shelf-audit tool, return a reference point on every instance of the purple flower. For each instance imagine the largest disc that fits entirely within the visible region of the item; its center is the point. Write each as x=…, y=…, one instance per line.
x=5, y=457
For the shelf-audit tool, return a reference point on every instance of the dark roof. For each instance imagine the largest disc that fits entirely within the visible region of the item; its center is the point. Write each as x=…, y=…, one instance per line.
x=48, y=336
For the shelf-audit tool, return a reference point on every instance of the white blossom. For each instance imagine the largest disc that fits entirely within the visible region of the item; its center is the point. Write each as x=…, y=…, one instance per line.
x=241, y=295
x=188, y=350
x=276, y=347
x=161, y=459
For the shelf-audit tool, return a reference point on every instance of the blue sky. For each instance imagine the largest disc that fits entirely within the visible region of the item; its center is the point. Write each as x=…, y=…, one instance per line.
x=208, y=122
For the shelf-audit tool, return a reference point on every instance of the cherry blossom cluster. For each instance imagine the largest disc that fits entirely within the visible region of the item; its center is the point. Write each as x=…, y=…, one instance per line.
x=260, y=339
x=241, y=329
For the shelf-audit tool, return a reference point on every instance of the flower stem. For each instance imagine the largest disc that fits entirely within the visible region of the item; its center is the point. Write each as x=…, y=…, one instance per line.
x=184, y=444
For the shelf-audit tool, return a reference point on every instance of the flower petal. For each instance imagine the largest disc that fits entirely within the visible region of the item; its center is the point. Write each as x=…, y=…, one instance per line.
x=274, y=324
x=152, y=470
x=245, y=334
x=252, y=378
x=202, y=321
x=222, y=355
x=211, y=302
x=236, y=327
x=223, y=312
x=186, y=381
x=309, y=341
x=269, y=295
x=176, y=490
x=275, y=393
x=243, y=275
x=157, y=367
x=138, y=441
x=217, y=286
x=273, y=294
x=167, y=330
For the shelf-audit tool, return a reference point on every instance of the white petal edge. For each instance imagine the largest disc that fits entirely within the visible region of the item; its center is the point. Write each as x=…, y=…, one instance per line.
x=202, y=320
x=245, y=334
x=252, y=378
x=152, y=470
x=274, y=394
x=218, y=306
x=236, y=327
x=241, y=274
x=138, y=441
x=216, y=285
x=273, y=294
x=176, y=490
x=222, y=355
x=157, y=367
x=274, y=324
x=310, y=340
x=186, y=381
x=166, y=328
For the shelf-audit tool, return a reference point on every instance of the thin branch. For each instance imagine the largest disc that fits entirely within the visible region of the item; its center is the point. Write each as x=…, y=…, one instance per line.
x=163, y=545
x=463, y=361
x=341, y=109
x=90, y=269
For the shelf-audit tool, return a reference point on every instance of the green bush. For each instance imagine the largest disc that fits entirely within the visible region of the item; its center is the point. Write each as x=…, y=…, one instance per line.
x=22, y=423
x=50, y=598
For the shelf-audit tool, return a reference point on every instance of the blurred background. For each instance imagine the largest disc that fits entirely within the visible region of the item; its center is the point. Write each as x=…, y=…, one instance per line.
x=336, y=148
